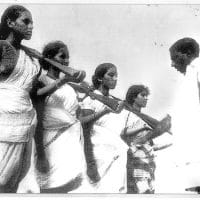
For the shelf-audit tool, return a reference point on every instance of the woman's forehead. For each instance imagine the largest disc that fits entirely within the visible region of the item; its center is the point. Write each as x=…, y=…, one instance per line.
x=25, y=14
x=64, y=50
x=112, y=70
x=144, y=92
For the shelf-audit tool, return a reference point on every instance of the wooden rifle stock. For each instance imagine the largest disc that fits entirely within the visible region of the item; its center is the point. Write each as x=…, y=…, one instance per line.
x=79, y=75
x=152, y=122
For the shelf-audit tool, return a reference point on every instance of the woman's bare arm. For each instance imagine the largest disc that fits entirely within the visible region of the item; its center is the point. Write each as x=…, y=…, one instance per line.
x=48, y=89
x=89, y=116
x=163, y=126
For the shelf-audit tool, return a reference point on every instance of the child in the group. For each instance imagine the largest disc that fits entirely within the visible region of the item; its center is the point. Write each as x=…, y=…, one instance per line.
x=139, y=136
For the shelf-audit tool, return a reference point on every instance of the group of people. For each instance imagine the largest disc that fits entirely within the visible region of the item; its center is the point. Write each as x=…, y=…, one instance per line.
x=59, y=141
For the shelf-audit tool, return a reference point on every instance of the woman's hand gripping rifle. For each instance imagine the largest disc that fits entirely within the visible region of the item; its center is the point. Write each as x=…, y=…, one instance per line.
x=77, y=75
x=152, y=122
x=116, y=105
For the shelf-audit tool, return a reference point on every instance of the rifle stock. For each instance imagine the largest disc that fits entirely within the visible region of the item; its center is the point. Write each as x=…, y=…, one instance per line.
x=79, y=75
x=152, y=122
x=66, y=69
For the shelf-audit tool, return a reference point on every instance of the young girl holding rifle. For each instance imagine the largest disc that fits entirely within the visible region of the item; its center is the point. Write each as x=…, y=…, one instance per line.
x=139, y=136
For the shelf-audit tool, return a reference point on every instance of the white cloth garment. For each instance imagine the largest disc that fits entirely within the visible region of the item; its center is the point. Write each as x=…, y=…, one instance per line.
x=63, y=138
x=17, y=120
x=110, y=151
x=180, y=166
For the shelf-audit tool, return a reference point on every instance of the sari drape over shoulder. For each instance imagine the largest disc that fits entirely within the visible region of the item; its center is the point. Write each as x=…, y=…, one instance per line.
x=62, y=138
x=109, y=150
x=17, y=115
x=17, y=122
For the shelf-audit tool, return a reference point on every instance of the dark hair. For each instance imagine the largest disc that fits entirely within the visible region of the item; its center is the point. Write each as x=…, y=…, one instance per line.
x=12, y=13
x=133, y=92
x=50, y=50
x=182, y=52
x=100, y=72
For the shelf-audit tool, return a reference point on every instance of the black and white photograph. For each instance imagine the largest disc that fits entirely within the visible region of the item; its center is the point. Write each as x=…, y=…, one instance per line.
x=99, y=99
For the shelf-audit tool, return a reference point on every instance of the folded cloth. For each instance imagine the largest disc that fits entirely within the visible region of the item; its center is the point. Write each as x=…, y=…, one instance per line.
x=17, y=115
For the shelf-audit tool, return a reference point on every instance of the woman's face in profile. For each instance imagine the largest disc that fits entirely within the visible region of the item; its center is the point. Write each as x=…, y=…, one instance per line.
x=110, y=78
x=62, y=56
x=141, y=99
x=23, y=26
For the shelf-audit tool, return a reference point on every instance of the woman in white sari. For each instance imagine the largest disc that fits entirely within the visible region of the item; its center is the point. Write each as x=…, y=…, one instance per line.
x=105, y=150
x=17, y=115
x=61, y=130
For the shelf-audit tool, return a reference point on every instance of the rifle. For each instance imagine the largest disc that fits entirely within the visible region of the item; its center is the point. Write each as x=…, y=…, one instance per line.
x=152, y=122
x=114, y=103
x=84, y=87
x=79, y=75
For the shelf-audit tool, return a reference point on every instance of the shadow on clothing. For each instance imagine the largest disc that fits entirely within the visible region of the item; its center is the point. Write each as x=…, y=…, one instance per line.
x=72, y=185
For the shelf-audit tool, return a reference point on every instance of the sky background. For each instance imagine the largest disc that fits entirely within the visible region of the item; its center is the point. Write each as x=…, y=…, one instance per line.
x=136, y=38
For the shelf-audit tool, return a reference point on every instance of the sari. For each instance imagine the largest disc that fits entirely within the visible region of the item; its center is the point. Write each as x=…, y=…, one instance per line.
x=108, y=149
x=17, y=123
x=62, y=140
